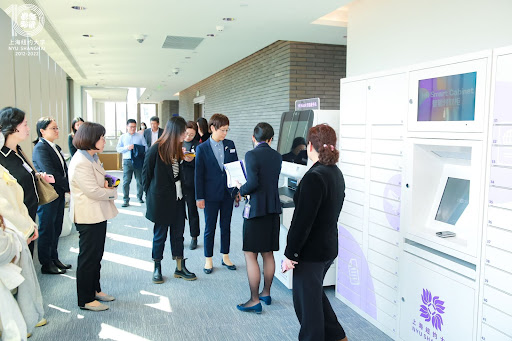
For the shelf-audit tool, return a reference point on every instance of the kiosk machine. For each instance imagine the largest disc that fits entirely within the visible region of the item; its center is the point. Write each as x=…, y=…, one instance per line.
x=292, y=144
x=443, y=200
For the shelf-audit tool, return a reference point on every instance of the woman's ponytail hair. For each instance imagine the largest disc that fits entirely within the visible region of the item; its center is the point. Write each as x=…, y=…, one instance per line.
x=323, y=139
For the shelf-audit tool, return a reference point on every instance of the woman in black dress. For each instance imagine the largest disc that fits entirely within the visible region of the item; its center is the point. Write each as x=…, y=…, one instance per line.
x=261, y=213
x=312, y=243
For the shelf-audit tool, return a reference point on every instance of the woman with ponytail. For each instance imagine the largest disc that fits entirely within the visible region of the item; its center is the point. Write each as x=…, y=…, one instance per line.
x=312, y=243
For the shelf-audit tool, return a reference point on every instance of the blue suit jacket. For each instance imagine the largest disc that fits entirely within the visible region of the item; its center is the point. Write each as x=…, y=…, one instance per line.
x=46, y=160
x=211, y=181
x=263, y=166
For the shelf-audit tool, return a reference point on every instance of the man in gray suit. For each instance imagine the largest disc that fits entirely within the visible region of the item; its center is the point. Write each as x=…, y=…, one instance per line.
x=153, y=134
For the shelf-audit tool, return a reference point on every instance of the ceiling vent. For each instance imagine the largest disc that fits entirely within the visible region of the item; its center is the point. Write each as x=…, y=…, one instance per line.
x=182, y=43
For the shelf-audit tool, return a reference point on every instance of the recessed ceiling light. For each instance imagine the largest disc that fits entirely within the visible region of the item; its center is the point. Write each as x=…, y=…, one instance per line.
x=210, y=35
x=87, y=35
x=228, y=19
x=244, y=5
x=188, y=57
x=93, y=53
x=79, y=8
x=97, y=65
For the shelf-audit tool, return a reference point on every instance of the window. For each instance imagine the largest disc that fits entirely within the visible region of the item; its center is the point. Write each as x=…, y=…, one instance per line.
x=115, y=119
x=147, y=111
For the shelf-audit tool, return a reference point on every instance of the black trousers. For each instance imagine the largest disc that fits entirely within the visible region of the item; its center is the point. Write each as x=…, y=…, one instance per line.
x=193, y=215
x=312, y=307
x=51, y=216
x=92, y=245
x=176, y=230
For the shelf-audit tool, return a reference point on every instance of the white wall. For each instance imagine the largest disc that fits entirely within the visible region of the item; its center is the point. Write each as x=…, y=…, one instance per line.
x=34, y=84
x=388, y=34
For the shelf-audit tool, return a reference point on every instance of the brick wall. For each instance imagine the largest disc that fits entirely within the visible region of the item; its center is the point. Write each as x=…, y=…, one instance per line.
x=260, y=87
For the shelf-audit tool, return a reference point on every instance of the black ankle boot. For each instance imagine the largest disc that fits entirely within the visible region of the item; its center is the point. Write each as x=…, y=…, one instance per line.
x=182, y=271
x=157, y=274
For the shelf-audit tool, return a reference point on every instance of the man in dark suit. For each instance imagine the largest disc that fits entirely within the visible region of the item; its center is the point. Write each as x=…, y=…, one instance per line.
x=153, y=134
x=212, y=192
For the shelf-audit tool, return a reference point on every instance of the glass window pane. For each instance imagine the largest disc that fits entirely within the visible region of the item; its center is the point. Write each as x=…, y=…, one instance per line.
x=132, y=103
x=110, y=122
x=147, y=111
x=121, y=118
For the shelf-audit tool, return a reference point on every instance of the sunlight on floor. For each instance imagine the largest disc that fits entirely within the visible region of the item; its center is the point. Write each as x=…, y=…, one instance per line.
x=137, y=214
x=58, y=308
x=130, y=240
x=123, y=260
x=164, y=304
x=112, y=333
x=138, y=228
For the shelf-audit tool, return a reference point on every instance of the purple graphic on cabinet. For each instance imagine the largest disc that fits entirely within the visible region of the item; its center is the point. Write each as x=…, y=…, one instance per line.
x=354, y=280
x=503, y=102
x=431, y=309
x=392, y=207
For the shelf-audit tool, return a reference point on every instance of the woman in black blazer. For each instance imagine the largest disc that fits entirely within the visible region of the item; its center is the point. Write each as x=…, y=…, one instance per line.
x=14, y=127
x=47, y=157
x=161, y=178
x=312, y=243
x=261, y=213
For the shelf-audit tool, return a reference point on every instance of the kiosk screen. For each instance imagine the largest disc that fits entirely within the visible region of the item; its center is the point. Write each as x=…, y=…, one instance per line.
x=454, y=201
x=450, y=98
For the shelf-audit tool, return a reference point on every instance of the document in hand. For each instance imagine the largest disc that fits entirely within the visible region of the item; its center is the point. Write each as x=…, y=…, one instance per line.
x=235, y=171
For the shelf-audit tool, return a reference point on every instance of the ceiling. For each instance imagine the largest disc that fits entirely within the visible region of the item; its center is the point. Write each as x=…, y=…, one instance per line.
x=113, y=57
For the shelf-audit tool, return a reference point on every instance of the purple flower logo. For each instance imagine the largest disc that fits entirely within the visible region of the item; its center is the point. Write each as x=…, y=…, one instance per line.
x=431, y=309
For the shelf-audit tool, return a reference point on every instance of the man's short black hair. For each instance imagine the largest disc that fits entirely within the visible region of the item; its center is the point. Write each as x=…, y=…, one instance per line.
x=131, y=120
x=155, y=119
x=263, y=132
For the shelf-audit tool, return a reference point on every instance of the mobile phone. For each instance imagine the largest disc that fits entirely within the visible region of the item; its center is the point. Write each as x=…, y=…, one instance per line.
x=445, y=234
x=283, y=268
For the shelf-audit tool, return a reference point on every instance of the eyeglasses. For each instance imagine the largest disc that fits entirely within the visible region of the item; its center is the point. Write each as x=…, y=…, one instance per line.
x=54, y=129
x=225, y=131
x=190, y=135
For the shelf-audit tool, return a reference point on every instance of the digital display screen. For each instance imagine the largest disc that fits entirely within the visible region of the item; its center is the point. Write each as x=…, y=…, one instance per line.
x=449, y=98
x=454, y=201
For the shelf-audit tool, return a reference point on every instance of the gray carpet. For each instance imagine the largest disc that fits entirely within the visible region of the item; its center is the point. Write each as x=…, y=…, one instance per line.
x=204, y=309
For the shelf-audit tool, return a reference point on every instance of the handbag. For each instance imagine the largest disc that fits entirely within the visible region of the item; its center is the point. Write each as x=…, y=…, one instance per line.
x=45, y=191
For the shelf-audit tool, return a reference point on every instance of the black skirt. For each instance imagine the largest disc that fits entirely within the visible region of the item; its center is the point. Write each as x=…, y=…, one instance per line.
x=261, y=234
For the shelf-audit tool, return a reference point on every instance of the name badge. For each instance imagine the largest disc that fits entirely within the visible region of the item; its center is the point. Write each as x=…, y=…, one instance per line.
x=27, y=167
x=247, y=210
x=232, y=151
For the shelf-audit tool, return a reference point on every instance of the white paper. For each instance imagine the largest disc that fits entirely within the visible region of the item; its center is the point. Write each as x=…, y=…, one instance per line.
x=235, y=172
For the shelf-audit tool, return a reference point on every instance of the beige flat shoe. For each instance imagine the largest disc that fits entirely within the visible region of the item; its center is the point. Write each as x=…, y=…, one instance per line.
x=100, y=307
x=105, y=298
x=42, y=322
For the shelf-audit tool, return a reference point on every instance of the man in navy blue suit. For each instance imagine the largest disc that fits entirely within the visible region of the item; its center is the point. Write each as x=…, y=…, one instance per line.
x=212, y=193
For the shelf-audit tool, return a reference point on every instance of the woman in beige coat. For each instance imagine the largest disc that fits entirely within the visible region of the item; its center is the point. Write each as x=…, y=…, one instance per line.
x=92, y=204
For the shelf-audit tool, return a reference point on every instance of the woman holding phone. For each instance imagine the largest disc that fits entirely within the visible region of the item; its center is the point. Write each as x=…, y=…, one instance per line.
x=161, y=179
x=312, y=243
x=92, y=204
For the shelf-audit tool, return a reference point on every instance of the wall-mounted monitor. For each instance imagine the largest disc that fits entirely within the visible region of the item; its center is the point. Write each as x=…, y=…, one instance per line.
x=448, y=98
x=454, y=201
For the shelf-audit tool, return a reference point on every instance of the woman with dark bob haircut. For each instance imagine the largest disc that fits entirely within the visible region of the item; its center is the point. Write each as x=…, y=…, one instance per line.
x=75, y=124
x=92, y=204
x=47, y=157
x=312, y=243
x=15, y=130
